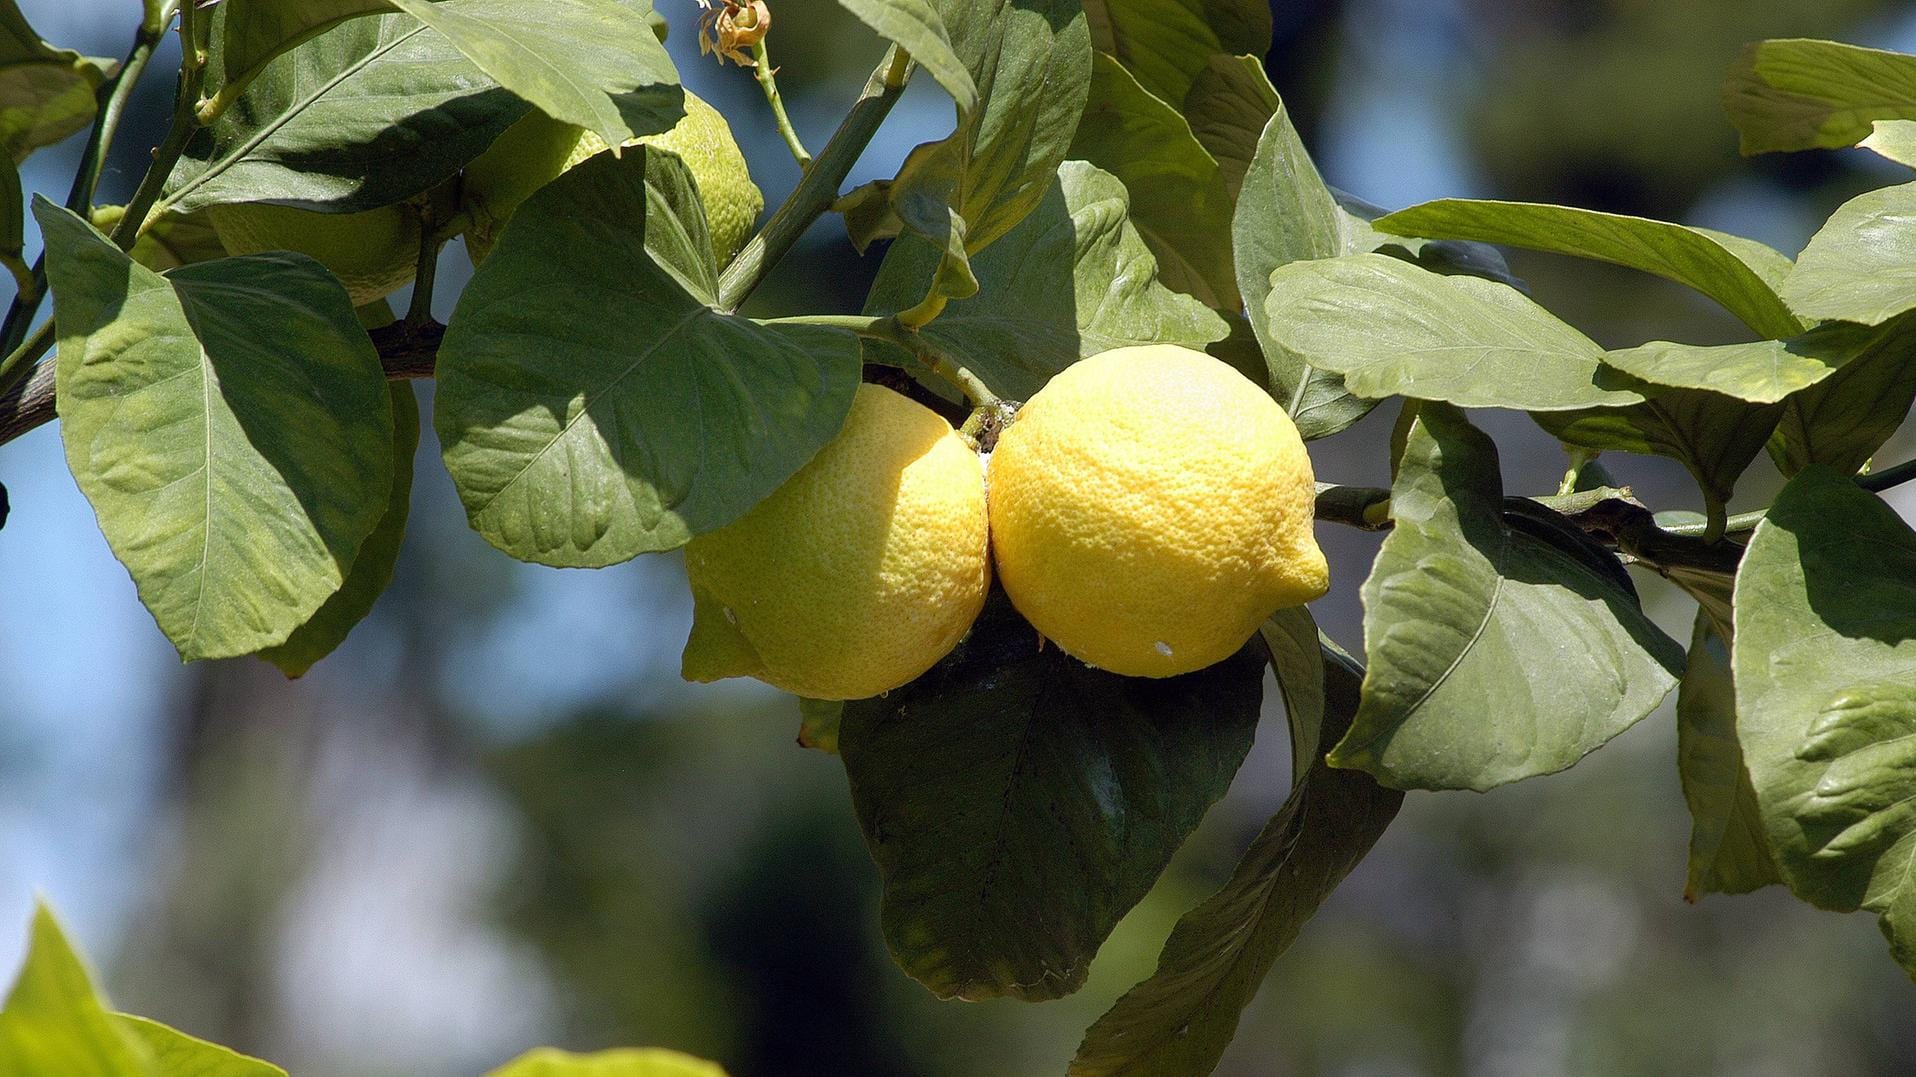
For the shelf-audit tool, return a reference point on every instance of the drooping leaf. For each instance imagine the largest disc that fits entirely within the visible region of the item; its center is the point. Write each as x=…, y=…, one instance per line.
x=1801, y=94
x=1073, y=279
x=592, y=405
x=1761, y=371
x=1685, y=255
x=1845, y=418
x=1861, y=265
x=1392, y=329
x=176, y=1054
x=46, y=93
x=372, y=111
x=229, y=423
x=1729, y=853
x=1494, y=655
x=1179, y=1021
x=1019, y=802
x=1228, y=106
x=53, y=1023
x=1825, y=664
x=1165, y=44
x=373, y=569
x=1714, y=436
x=914, y=25
x=1180, y=202
x=622, y=1062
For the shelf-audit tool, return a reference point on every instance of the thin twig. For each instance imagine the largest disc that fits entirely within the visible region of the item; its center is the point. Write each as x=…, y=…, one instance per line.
x=768, y=81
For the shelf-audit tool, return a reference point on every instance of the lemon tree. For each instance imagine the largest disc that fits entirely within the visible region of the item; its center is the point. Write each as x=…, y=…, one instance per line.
x=1026, y=536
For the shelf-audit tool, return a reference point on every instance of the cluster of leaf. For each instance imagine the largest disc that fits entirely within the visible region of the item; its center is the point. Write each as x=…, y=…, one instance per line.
x=1119, y=172
x=54, y=1022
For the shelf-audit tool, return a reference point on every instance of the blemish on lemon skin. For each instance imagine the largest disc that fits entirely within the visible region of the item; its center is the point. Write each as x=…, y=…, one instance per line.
x=731, y=617
x=1162, y=648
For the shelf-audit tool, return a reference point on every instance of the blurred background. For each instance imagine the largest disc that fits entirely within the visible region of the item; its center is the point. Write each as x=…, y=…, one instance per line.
x=497, y=817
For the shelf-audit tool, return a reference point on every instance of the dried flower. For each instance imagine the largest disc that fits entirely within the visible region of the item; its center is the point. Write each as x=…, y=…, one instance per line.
x=730, y=29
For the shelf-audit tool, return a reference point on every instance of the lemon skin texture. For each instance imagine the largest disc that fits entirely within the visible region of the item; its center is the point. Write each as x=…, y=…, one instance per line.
x=538, y=149
x=373, y=253
x=859, y=573
x=1150, y=508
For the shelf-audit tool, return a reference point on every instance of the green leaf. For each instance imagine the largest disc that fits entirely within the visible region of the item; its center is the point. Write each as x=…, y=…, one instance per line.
x=373, y=569
x=1714, y=436
x=253, y=33
x=1728, y=851
x=1687, y=256
x=1760, y=371
x=570, y=58
x=1893, y=140
x=1447, y=256
x=46, y=93
x=12, y=212
x=1179, y=200
x=1861, y=265
x=1392, y=329
x=1014, y=778
x=1494, y=654
x=1179, y=1021
x=1286, y=214
x=818, y=722
x=229, y=423
x=624, y=1062
x=176, y=1054
x=1846, y=417
x=1072, y=280
x=1166, y=43
x=1800, y=94
x=1229, y=105
x=1825, y=664
x=53, y=1022
x=914, y=26
x=593, y=407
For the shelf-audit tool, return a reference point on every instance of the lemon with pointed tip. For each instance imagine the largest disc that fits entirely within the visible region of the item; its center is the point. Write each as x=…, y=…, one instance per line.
x=859, y=573
x=373, y=252
x=538, y=149
x=1150, y=507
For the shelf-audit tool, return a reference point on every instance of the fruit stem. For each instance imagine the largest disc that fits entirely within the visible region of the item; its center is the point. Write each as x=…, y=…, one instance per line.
x=1879, y=481
x=818, y=188
x=768, y=82
x=890, y=330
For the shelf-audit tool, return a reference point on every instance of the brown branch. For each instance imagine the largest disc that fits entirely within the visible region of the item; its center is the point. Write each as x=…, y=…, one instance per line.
x=405, y=352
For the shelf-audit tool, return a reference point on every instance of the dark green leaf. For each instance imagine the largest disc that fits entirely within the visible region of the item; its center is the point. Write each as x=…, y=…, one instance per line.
x=176, y=1054
x=593, y=407
x=914, y=25
x=1073, y=279
x=1392, y=329
x=1228, y=107
x=12, y=212
x=1714, y=436
x=1166, y=43
x=1179, y=200
x=1461, y=257
x=1846, y=417
x=53, y=1023
x=1861, y=265
x=230, y=425
x=253, y=33
x=1494, y=655
x=1179, y=1021
x=1799, y=94
x=46, y=93
x=1019, y=802
x=1728, y=852
x=373, y=569
x=1685, y=255
x=1825, y=664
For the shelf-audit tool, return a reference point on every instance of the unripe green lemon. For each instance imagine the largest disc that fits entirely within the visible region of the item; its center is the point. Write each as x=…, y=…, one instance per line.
x=373, y=253
x=1150, y=507
x=859, y=573
x=538, y=149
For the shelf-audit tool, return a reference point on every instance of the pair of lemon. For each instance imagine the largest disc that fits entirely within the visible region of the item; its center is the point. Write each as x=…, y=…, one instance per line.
x=375, y=252
x=1147, y=510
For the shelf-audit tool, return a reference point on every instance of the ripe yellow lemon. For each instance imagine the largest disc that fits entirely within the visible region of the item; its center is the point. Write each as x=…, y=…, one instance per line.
x=538, y=149
x=1150, y=507
x=859, y=573
x=373, y=253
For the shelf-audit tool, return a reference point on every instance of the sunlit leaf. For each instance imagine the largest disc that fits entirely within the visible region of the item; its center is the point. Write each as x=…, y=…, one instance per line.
x=624, y=1062
x=1801, y=94
x=1861, y=265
